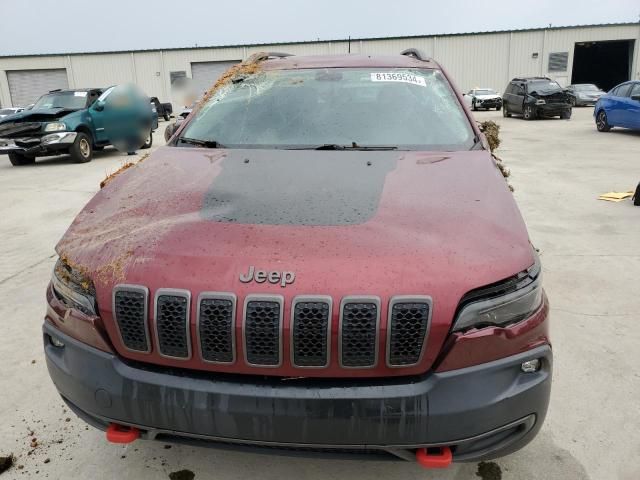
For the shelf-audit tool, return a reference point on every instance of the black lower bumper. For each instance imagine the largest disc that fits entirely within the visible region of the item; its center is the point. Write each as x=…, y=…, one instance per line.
x=553, y=109
x=480, y=412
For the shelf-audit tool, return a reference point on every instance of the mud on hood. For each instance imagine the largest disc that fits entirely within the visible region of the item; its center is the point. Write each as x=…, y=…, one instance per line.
x=382, y=223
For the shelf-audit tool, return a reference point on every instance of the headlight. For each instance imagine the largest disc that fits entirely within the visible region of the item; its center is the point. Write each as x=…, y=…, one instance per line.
x=508, y=302
x=73, y=288
x=540, y=102
x=55, y=127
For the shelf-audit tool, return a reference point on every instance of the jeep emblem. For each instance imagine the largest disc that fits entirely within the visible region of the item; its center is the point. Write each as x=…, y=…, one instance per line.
x=261, y=276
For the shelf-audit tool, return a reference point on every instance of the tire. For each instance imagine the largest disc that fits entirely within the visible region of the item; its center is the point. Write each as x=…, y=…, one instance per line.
x=148, y=141
x=19, y=160
x=528, y=113
x=166, y=117
x=572, y=100
x=566, y=115
x=505, y=112
x=473, y=107
x=82, y=149
x=498, y=108
x=602, y=124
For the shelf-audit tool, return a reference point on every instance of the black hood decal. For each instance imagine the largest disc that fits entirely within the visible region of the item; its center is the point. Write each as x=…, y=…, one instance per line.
x=298, y=187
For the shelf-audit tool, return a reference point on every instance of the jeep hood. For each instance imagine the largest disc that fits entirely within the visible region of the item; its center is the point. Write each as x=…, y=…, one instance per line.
x=347, y=223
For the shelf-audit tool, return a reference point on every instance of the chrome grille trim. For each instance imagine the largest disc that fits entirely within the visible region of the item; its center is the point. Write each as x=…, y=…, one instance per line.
x=399, y=299
x=218, y=296
x=173, y=292
x=359, y=299
x=124, y=287
x=310, y=298
x=262, y=298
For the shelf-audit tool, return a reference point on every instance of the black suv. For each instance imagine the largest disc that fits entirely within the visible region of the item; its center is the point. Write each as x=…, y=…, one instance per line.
x=536, y=97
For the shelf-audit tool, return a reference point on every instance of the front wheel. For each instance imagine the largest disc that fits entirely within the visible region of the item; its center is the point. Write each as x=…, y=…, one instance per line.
x=505, y=112
x=528, y=113
x=148, y=141
x=166, y=117
x=498, y=108
x=566, y=115
x=602, y=124
x=19, y=160
x=473, y=107
x=572, y=101
x=82, y=149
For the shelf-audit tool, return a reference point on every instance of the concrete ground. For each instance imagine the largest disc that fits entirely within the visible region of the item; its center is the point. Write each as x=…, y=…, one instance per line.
x=591, y=262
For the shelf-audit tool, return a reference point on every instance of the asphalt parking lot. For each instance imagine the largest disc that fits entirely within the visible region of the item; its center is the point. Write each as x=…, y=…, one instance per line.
x=591, y=259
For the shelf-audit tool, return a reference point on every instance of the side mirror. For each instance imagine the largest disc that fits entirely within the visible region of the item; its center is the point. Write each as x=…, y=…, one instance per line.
x=98, y=106
x=635, y=97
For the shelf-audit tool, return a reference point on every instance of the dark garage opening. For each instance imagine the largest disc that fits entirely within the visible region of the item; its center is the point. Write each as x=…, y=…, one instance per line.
x=604, y=63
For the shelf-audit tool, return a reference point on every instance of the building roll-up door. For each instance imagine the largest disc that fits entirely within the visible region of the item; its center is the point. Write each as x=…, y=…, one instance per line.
x=25, y=86
x=205, y=74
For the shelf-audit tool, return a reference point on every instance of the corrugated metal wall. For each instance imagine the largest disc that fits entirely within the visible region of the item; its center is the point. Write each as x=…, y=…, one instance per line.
x=473, y=60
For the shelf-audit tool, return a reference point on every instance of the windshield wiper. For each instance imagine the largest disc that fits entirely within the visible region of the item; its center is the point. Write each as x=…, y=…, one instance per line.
x=201, y=143
x=353, y=146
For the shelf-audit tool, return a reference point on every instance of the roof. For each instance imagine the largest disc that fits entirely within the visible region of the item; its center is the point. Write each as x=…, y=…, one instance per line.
x=346, y=61
x=306, y=42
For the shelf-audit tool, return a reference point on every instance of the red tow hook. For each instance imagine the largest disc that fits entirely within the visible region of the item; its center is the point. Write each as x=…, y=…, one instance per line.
x=122, y=434
x=441, y=459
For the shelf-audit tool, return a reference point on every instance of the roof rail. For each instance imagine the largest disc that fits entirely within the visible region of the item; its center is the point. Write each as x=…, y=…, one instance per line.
x=267, y=55
x=415, y=53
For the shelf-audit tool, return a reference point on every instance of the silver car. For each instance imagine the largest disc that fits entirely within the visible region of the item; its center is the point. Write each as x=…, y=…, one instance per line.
x=582, y=94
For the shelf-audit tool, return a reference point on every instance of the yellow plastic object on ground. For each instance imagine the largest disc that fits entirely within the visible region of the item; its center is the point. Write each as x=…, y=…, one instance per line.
x=615, y=196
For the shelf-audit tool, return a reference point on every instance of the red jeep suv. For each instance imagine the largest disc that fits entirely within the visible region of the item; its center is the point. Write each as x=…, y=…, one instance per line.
x=324, y=258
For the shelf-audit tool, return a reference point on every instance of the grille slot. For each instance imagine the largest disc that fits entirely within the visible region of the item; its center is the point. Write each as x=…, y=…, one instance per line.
x=216, y=327
x=131, y=314
x=359, y=320
x=262, y=327
x=409, y=319
x=172, y=323
x=310, y=331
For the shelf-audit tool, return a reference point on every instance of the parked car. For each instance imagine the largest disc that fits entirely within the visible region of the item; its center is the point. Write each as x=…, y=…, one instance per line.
x=619, y=108
x=535, y=97
x=77, y=122
x=483, y=98
x=334, y=264
x=583, y=94
x=5, y=112
x=164, y=110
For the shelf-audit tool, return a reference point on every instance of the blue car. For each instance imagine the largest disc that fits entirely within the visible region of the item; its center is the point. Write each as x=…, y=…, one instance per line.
x=619, y=108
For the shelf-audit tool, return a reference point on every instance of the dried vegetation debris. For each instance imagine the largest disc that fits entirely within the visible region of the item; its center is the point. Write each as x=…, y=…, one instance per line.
x=491, y=131
x=123, y=167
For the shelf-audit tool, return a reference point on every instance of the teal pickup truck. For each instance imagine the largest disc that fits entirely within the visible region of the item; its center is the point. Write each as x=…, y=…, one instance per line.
x=79, y=122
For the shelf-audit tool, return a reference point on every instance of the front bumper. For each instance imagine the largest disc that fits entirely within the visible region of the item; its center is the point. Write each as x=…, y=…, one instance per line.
x=552, y=109
x=480, y=412
x=493, y=103
x=35, y=145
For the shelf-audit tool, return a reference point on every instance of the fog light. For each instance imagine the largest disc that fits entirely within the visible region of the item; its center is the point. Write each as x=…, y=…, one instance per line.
x=56, y=342
x=530, y=366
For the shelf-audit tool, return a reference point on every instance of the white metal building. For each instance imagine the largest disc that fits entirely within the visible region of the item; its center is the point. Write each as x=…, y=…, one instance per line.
x=602, y=54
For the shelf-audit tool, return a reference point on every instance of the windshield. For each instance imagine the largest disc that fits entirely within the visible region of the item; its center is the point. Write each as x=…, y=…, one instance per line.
x=405, y=109
x=544, y=86
x=486, y=91
x=71, y=100
x=586, y=88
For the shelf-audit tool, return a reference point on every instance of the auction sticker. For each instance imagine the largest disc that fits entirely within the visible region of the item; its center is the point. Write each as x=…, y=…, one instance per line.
x=403, y=77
